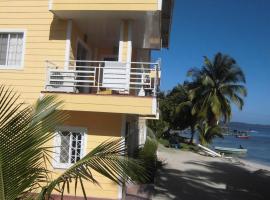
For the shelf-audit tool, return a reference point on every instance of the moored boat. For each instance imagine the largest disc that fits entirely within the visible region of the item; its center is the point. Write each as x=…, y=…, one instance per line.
x=227, y=150
x=242, y=136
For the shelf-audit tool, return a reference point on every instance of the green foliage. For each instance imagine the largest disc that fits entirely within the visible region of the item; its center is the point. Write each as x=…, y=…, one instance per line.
x=208, y=133
x=175, y=108
x=188, y=147
x=24, y=157
x=215, y=86
x=164, y=142
x=148, y=154
x=24, y=130
x=207, y=98
x=171, y=112
x=158, y=127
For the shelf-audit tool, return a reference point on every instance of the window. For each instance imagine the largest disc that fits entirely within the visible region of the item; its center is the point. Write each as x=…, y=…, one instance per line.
x=69, y=146
x=11, y=49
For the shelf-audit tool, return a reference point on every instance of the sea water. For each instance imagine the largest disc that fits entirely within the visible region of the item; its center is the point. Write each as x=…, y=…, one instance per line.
x=258, y=146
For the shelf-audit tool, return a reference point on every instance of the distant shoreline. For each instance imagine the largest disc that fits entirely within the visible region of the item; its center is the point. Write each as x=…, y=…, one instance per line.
x=254, y=165
x=248, y=126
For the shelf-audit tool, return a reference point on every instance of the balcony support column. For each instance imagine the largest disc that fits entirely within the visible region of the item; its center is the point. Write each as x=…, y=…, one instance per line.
x=125, y=43
x=125, y=48
x=68, y=43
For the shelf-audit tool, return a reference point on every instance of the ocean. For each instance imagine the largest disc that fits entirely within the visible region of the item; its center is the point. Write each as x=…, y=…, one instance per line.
x=258, y=146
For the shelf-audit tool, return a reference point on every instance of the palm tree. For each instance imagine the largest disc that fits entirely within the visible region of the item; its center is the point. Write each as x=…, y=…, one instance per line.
x=184, y=110
x=208, y=133
x=215, y=86
x=24, y=157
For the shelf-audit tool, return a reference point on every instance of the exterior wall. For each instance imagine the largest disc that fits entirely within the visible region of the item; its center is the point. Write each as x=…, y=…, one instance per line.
x=109, y=103
x=97, y=132
x=137, y=5
x=44, y=39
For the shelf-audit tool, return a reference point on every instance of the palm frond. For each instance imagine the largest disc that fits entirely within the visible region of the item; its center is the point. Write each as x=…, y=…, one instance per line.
x=109, y=159
x=208, y=132
x=215, y=86
x=23, y=132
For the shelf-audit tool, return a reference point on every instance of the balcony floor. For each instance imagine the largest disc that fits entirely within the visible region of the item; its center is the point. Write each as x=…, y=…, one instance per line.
x=109, y=103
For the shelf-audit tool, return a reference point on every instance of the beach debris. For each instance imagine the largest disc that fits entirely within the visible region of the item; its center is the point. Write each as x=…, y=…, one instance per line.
x=209, y=151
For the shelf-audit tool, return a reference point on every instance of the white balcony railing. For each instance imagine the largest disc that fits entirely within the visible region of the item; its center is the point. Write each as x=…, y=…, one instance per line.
x=103, y=77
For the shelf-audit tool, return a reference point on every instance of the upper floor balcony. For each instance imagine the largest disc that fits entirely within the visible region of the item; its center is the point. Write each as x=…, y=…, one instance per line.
x=105, y=86
x=150, y=19
x=119, y=35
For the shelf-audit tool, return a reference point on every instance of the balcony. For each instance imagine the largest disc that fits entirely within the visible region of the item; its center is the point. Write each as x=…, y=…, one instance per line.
x=105, y=86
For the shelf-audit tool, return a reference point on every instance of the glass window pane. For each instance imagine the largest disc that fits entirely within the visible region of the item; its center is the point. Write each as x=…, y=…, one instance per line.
x=73, y=159
x=78, y=144
x=70, y=149
x=15, y=49
x=64, y=148
x=3, y=48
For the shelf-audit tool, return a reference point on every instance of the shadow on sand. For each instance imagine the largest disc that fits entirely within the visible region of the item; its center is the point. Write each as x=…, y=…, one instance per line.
x=218, y=181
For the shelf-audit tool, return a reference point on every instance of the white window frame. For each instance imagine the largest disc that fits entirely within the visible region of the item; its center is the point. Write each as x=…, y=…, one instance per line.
x=57, y=143
x=23, y=31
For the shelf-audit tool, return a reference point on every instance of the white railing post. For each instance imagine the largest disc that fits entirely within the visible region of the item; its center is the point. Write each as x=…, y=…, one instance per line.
x=75, y=78
x=157, y=70
x=47, y=80
x=142, y=81
x=128, y=76
x=155, y=82
x=98, y=81
x=142, y=77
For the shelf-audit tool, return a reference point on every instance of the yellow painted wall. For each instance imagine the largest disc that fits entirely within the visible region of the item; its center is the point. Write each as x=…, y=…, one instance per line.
x=108, y=103
x=45, y=39
x=100, y=127
x=136, y=5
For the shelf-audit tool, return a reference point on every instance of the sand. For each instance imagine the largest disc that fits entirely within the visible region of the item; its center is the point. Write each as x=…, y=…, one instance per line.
x=190, y=176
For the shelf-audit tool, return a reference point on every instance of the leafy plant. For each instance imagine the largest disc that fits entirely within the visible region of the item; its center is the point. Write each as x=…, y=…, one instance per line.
x=148, y=154
x=164, y=142
x=208, y=133
x=215, y=86
x=24, y=156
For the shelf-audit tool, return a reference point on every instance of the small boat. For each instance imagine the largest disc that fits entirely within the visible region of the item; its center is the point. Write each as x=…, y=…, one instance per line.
x=242, y=136
x=253, y=131
x=227, y=150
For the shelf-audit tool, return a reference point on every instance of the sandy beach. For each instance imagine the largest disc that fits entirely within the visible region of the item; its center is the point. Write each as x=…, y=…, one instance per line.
x=190, y=176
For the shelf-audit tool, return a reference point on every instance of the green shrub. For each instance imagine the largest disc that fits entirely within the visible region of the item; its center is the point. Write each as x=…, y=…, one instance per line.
x=188, y=147
x=148, y=154
x=164, y=142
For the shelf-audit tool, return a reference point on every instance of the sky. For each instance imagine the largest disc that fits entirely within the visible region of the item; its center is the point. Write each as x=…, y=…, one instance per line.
x=239, y=28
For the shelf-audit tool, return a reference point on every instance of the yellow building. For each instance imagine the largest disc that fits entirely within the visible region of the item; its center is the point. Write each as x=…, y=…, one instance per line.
x=96, y=56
